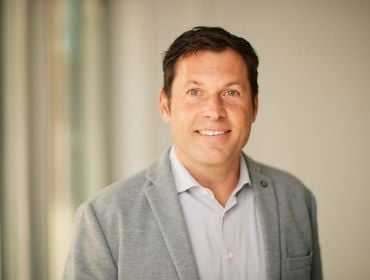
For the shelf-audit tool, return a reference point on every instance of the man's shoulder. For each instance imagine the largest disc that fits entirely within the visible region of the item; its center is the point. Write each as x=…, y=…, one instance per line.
x=283, y=181
x=128, y=193
x=120, y=196
x=281, y=176
x=122, y=189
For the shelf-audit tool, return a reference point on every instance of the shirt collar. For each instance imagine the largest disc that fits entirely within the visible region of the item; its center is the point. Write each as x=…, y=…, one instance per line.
x=184, y=180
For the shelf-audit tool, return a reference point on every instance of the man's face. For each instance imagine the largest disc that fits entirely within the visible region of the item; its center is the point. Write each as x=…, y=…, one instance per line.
x=211, y=109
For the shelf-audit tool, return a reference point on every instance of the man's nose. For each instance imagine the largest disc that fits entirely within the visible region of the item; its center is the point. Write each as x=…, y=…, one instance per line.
x=214, y=108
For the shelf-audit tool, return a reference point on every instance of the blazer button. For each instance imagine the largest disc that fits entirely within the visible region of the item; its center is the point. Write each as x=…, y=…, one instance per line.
x=264, y=183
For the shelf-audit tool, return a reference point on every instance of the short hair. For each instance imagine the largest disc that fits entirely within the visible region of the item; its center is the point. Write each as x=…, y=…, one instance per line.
x=214, y=39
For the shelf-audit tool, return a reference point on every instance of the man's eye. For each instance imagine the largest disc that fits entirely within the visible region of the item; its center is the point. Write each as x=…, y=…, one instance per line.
x=232, y=93
x=193, y=92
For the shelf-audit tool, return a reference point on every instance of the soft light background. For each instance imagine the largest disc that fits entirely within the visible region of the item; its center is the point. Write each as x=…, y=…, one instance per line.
x=79, y=86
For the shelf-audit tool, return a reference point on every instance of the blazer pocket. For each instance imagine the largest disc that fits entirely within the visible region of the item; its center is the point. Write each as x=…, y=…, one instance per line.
x=300, y=262
x=299, y=268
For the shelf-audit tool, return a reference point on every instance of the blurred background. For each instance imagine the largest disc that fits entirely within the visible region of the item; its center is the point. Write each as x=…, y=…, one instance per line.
x=79, y=86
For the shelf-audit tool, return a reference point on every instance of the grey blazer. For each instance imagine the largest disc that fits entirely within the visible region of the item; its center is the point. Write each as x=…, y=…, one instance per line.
x=135, y=229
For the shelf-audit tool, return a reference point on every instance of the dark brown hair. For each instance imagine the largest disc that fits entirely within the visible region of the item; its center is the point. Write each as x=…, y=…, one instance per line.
x=213, y=39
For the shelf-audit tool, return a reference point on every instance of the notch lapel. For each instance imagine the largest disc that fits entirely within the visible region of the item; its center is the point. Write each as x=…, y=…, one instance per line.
x=163, y=199
x=269, y=218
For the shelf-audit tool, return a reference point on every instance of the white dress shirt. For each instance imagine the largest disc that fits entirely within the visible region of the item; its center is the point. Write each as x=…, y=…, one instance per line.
x=227, y=241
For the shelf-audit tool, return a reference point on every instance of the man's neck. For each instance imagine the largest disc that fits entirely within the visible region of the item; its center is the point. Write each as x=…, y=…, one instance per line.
x=221, y=180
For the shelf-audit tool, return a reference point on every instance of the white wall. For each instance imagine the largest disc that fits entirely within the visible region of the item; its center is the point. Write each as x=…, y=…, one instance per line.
x=314, y=117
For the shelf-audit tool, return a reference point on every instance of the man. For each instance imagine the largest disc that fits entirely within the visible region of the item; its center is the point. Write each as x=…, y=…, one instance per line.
x=204, y=210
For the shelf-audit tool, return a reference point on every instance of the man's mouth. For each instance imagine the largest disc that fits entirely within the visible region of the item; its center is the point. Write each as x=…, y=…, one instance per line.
x=212, y=132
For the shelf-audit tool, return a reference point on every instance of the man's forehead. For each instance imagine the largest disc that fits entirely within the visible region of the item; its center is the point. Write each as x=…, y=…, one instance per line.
x=200, y=83
x=228, y=60
x=205, y=62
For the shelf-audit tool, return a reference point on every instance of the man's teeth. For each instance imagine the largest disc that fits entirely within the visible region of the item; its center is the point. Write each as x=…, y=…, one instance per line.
x=212, y=132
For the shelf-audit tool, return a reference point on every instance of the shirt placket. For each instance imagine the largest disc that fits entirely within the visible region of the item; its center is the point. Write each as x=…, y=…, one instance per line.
x=231, y=257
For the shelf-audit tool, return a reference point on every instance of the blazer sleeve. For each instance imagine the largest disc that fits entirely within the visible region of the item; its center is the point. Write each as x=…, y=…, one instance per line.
x=90, y=256
x=316, y=262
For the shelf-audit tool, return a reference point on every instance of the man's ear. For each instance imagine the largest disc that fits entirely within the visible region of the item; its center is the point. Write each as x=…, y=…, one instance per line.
x=164, y=106
x=255, y=107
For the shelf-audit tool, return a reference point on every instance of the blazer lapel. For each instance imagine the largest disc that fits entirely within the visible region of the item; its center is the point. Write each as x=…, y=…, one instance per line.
x=164, y=201
x=269, y=218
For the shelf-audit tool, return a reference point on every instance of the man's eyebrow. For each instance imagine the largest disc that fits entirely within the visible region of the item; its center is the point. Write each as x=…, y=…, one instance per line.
x=198, y=83
x=232, y=84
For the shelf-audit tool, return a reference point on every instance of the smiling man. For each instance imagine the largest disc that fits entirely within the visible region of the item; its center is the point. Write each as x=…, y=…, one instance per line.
x=211, y=113
x=204, y=210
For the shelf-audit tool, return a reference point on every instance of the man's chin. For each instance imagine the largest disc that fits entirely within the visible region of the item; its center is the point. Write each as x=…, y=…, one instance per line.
x=215, y=158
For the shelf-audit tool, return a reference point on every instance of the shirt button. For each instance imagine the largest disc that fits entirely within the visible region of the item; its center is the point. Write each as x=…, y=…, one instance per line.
x=230, y=255
x=205, y=192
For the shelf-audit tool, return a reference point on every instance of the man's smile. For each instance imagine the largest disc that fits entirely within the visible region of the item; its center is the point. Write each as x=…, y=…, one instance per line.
x=213, y=132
